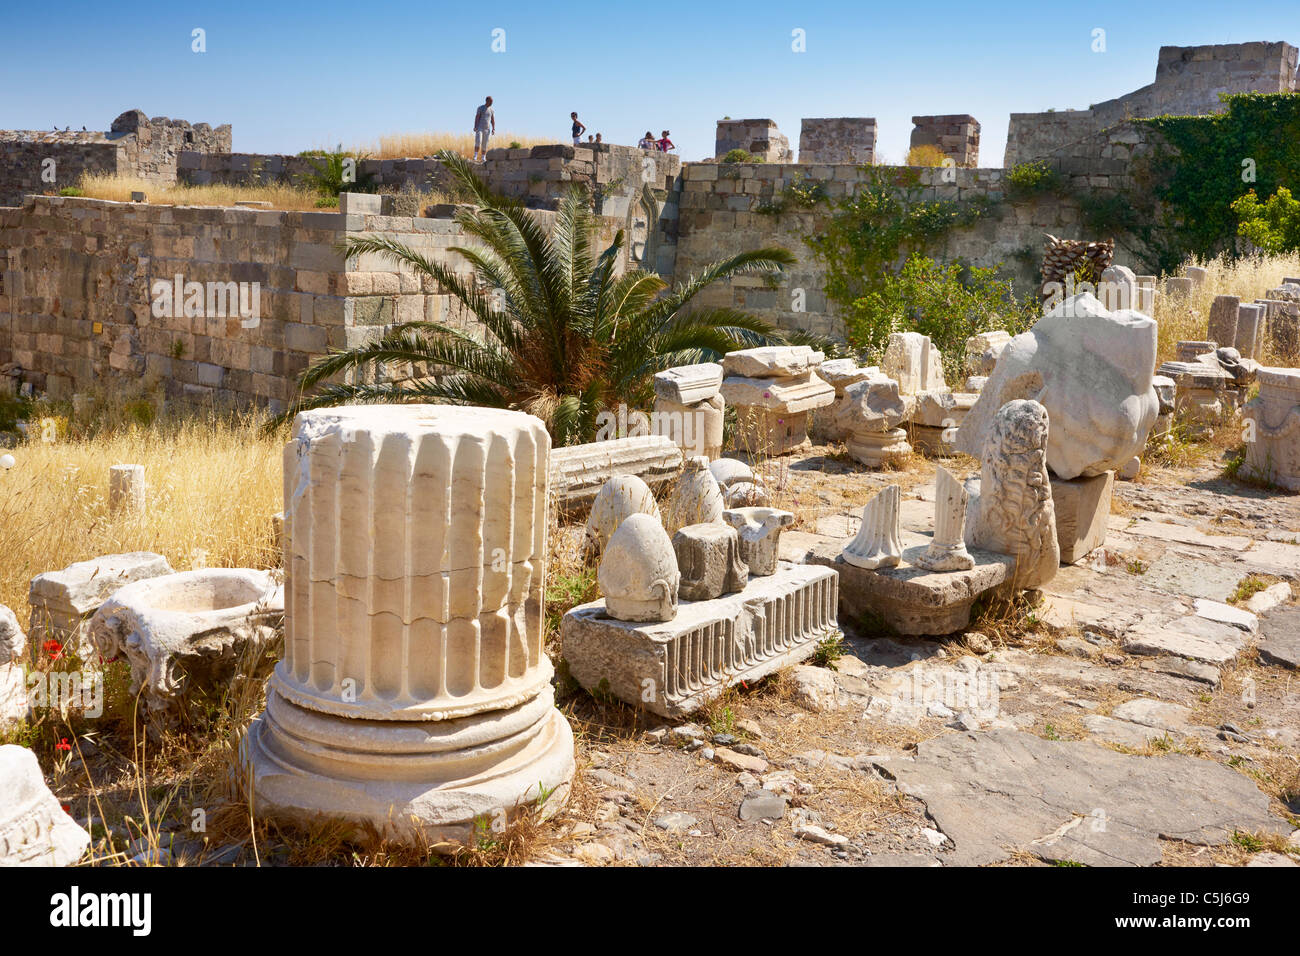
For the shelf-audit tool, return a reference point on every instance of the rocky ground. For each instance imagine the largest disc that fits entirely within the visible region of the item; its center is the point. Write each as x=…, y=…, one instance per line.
x=1147, y=712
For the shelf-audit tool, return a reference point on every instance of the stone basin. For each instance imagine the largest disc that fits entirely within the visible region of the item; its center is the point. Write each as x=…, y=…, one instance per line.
x=194, y=632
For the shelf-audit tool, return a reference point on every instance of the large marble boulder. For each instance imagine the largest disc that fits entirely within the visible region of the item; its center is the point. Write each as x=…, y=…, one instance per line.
x=1092, y=370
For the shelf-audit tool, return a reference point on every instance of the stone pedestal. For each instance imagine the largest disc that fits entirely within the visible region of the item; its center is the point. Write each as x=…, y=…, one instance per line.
x=1274, y=417
x=675, y=667
x=907, y=598
x=773, y=390
x=1223, y=319
x=1199, y=386
x=1082, y=513
x=878, y=448
x=696, y=429
x=414, y=694
x=1250, y=330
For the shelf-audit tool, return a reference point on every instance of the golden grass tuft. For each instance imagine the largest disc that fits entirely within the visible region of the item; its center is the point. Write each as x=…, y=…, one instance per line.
x=1187, y=318
x=212, y=489
x=926, y=154
x=412, y=144
x=119, y=189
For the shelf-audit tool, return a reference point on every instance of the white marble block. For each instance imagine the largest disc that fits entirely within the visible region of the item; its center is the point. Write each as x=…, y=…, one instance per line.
x=414, y=693
x=621, y=496
x=1092, y=369
x=578, y=472
x=688, y=384
x=126, y=488
x=63, y=602
x=877, y=544
x=674, y=668
x=1273, y=419
x=913, y=361
x=638, y=574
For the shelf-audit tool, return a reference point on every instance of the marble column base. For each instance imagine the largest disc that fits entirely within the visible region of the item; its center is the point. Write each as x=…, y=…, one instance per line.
x=415, y=782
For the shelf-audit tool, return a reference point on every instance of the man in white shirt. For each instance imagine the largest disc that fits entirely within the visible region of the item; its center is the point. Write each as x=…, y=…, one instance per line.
x=485, y=124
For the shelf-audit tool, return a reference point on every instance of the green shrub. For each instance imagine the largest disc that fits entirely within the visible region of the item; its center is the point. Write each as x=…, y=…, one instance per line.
x=71, y=191
x=1273, y=225
x=740, y=156
x=949, y=303
x=1032, y=179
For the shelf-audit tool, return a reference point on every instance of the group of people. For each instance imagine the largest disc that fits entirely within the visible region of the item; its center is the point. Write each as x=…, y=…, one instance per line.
x=485, y=127
x=662, y=144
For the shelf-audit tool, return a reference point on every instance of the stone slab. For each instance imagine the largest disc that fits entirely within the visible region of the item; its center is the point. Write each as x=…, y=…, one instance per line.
x=910, y=599
x=688, y=384
x=1192, y=637
x=675, y=667
x=773, y=361
x=998, y=792
x=578, y=472
x=1279, y=641
x=1192, y=576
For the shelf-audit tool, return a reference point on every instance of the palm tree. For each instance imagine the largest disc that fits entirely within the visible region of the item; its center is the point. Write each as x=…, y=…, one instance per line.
x=563, y=335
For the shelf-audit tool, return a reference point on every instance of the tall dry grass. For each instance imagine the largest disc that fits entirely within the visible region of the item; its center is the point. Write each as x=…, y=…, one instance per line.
x=119, y=189
x=1250, y=277
x=212, y=489
x=412, y=144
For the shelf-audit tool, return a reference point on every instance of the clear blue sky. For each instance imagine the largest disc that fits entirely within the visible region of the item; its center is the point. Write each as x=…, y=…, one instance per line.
x=290, y=76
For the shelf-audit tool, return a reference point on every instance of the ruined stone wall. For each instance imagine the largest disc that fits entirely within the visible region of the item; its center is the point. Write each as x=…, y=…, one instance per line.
x=722, y=213
x=761, y=137
x=36, y=161
x=841, y=139
x=1188, y=83
x=77, y=308
x=957, y=136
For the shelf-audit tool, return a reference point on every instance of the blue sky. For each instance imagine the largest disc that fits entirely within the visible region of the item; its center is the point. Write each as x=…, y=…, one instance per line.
x=289, y=76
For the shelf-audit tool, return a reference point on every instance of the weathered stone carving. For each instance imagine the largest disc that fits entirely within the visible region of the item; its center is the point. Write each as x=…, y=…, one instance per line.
x=1092, y=371
x=619, y=497
x=869, y=414
x=1223, y=319
x=1010, y=509
x=1273, y=450
x=578, y=472
x=196, y=632
x=947, y=552
x=638, y=574
x=773, y=389
x=414, y=694
x=695, y=498
x=674, y=668
x=63, y=602
x=760, y=535
x=34, y=830
x=709, y=559
x=877, y=543
x=914, y=362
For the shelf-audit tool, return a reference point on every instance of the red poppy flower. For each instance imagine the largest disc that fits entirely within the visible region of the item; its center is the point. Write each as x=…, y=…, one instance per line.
x=63, y=744
x=54, y=649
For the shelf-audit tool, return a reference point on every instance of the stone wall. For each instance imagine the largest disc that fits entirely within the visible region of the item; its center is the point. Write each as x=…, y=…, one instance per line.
x=78, y=310
x=1188, y=83
x=35, y=161
x=957, y=136
x=761, y=137
x=722, y=213
x=842, y=139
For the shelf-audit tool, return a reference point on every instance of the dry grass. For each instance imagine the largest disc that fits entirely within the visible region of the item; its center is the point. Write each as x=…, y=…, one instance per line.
x=409, y=144
x=212, y=489
x=1187, y=319
x=925, y=155
x=119, y=189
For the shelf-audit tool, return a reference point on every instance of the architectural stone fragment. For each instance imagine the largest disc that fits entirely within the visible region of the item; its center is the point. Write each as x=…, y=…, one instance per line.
x=877, y=543
x=709, y=559
x=638, y=574
x=760, y=534
x=947, y=550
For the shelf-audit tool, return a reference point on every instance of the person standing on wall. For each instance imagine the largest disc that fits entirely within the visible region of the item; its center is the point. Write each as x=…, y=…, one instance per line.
x=665, y=143
x=578, y=129
x=648, y=141
x=485, y=124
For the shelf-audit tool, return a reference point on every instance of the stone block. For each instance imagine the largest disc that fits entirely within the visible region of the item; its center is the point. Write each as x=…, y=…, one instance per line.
x=62, y=602
x=1082, y=514
x=579, y=471
x=709, y=559
x=673, y=668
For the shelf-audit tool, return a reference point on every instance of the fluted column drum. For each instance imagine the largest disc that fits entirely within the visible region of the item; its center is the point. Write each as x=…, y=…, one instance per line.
x=415, y=562
x=414, y=691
